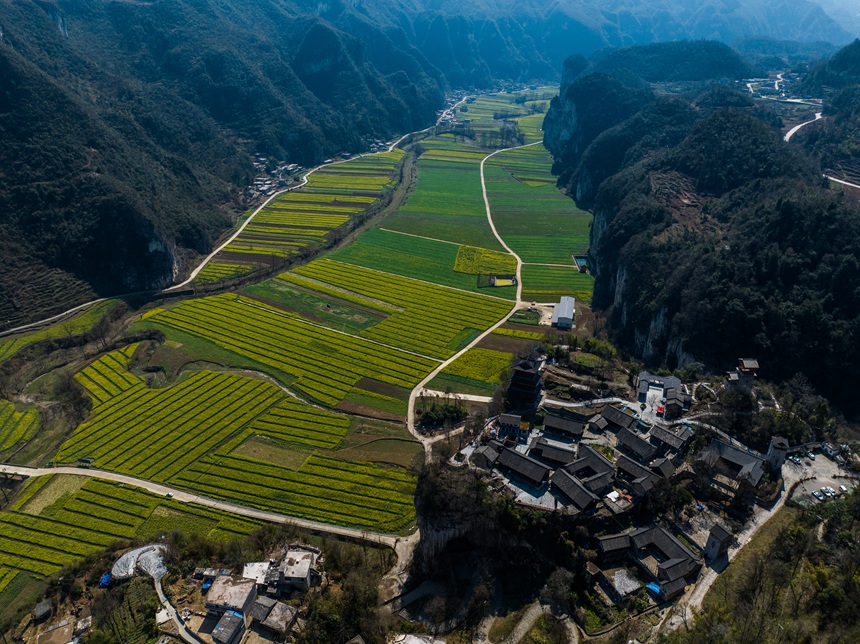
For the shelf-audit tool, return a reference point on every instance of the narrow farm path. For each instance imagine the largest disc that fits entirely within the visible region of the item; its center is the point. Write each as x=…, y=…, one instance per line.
x=559, y=265
x=421, y=386
x=493, y=225
x=392, y=541
x=185, y=634
x=399, y=232
x=469, y=397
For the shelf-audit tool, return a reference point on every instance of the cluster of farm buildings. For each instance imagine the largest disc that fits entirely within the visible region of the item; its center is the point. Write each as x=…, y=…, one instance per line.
x=253, y=600
x=601, y=464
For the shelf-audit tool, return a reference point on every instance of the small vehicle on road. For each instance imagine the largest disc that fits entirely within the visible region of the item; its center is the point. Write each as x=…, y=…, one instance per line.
x=818, y=495
x=843, y=489
x=169, y=495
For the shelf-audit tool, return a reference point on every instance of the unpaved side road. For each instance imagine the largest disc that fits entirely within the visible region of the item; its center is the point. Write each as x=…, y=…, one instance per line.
x=410, y=416
x=686, y=609
x=529, y=618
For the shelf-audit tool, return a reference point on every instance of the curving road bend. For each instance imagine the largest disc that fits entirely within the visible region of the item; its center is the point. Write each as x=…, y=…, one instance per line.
x=797, y=128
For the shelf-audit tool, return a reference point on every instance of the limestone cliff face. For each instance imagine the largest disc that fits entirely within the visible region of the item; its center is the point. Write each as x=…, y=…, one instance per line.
x=587, y=107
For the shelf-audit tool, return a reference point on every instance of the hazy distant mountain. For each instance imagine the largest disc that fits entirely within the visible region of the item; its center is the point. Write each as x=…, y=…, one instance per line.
x=839, y=71
x=845, y=12
x=125, y=127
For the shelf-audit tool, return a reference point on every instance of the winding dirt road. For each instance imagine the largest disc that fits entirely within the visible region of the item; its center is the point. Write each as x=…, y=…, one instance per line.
x=421, y=386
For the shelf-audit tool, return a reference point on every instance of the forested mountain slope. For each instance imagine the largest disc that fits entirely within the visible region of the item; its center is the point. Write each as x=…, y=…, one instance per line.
x=712, y=237
x=126, y=126
x=125, y=130
x=839, y=71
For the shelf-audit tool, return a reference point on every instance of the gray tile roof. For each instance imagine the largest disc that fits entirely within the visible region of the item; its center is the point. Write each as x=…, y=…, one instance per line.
x=743, y=465
x=528, y=468
x=598, y=424
x=589, y=458
x=488, y=452
x=614, y=543
x=664, y=467
x=542, y=449
x=640, y=478
x=226, y=628
x=643, y=450
x=563, y=425
x=664, y=382
x=599, y=483
x=719, y=532
x=618, y=418
x=573, y=489
x=672, y=588
x=667, y=437
x=261, y=608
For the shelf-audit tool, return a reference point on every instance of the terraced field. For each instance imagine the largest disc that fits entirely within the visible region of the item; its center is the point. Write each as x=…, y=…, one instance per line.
x=304, y=217
x=73, y=325
x=108, y=376
x=323, y=363
x=428, y=319
x=478, y=371
x=189, y=435
x=217, y=271
x=60, y=519
x=16, y=426
x=323, y=489
x=539, y=223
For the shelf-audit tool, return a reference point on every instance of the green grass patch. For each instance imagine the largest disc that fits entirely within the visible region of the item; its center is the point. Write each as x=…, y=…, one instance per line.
x=518, y=333
x=264, y=448
x=551, y=283
x=329, y=310
x=587, y=359
x=482, y=365
x=74, y=325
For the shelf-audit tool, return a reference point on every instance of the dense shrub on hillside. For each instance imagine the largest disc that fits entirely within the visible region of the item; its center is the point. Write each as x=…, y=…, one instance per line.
x=730, y=148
